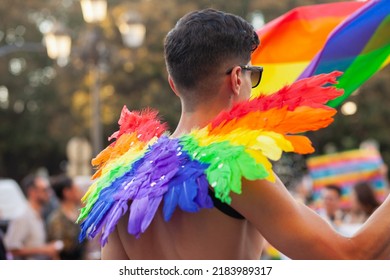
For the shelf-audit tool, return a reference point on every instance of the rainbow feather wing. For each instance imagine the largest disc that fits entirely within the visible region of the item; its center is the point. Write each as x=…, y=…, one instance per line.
x=118, y=162
x=144, y=169
x=262, y=128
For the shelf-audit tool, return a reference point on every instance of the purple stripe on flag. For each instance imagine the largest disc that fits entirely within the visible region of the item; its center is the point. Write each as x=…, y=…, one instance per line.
x=348, y=40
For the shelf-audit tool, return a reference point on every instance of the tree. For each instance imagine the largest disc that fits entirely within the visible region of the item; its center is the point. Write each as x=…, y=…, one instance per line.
x=43, y=105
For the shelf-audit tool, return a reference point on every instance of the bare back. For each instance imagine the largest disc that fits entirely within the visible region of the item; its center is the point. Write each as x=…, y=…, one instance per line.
x=208, y=234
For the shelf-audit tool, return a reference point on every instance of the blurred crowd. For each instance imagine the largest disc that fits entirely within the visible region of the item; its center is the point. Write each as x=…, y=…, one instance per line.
x=363, y=201
x=45, y=225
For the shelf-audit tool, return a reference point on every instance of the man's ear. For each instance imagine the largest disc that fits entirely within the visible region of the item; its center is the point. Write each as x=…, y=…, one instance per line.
x=172, y=85
x=236, y=80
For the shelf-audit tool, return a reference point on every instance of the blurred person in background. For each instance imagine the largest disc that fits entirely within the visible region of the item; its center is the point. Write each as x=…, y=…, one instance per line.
x=62, y=221
x=363, y=203
x=331, y=211
x=26, y=234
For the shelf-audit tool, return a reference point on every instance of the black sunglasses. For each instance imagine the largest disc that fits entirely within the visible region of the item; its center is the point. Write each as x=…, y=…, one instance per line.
x=256, y=73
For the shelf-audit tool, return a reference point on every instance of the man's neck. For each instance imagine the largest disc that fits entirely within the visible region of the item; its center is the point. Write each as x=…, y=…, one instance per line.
x=193, y=120
x=201, y=116
x=189, y=121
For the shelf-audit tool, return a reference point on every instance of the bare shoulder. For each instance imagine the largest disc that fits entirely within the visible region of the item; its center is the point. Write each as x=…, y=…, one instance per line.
x=114, y=249
x=264, y=196
x=207, y=234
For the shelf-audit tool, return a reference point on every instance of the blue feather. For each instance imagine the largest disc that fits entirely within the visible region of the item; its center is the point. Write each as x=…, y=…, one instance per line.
x=171, y=199
x=187, y=195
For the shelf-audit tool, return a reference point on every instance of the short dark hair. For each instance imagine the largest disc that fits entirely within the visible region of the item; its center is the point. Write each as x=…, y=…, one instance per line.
x=27, y=183
x=204, y=40
x=59, y=183
x=335, y=188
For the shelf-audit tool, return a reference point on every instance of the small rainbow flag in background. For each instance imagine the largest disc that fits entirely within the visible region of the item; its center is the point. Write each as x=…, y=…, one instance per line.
x=345, y=169
x=352, y=37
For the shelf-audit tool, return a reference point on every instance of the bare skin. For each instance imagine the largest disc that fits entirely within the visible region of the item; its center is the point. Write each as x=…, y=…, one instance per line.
x=269, y=209
x=208, y=234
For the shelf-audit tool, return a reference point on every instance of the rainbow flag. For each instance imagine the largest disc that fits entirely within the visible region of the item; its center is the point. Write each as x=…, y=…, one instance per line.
x=345, y=169
x=352, y=37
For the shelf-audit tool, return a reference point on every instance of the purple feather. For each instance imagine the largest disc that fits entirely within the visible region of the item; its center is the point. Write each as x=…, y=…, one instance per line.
x=149, y=215
x=150, y=183
x=116, y=212
x=138, y=209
